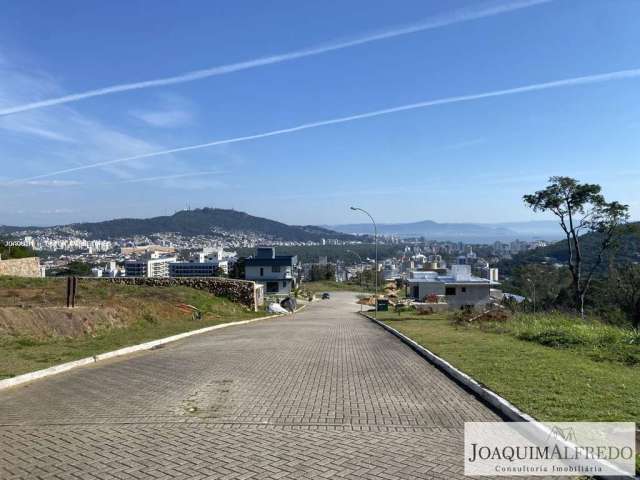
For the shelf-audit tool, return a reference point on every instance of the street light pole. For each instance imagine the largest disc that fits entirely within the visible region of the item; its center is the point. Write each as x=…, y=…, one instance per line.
x=375, y=240
x=361, y=272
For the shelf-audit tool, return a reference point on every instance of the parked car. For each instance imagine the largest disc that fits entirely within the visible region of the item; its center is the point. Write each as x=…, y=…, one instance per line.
x=326, y=296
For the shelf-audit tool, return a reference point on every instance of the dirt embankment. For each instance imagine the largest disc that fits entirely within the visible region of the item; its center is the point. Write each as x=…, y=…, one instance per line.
x=59, y=321
x=34, y=307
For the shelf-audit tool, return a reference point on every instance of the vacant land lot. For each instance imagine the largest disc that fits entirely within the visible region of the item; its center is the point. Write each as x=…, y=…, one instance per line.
x=330, y=286
x=36, y=331
x=550, y=367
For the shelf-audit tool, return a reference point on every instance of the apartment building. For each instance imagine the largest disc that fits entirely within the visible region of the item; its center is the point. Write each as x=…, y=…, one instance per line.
x=153, y=266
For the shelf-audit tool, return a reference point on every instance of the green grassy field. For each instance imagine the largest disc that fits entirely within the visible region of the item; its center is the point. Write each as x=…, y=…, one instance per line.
x=552, y=368
x=140, y=314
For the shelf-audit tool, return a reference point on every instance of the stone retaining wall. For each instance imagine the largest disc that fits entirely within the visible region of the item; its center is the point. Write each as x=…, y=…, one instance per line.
x=21, y=267
x=240, y=291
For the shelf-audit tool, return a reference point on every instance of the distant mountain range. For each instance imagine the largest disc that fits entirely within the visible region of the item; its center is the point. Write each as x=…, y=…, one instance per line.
x=464, y=232
x=202, y=221
x=205, y=221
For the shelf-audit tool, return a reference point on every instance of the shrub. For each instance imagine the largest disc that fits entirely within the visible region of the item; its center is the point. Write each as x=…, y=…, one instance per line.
x=601, y=341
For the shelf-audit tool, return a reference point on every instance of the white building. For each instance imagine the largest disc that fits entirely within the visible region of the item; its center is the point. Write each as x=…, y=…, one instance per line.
x=218, y=257
x=460, y=288
x=151, y=266
x=390, y=272
x=97, y=272
x=112, y=270
x=210, y=262
x=275, y=272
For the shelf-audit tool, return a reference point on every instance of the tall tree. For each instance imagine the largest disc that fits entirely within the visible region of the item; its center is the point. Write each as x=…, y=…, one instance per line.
x=580, y=208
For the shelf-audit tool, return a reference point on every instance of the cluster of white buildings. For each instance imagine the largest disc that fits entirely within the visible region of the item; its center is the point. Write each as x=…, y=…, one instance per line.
x=111, y=270
x=210, y=262
x=503, y=249
x=276, y=273
x=68, y=244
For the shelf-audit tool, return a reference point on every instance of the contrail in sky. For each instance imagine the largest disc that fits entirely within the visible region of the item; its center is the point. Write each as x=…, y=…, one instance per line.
x=166, y=177
x=568, y=82
x=458, y=16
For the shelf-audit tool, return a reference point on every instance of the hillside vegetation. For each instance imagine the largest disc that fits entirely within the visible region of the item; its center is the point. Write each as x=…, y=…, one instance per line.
x=203, y=221
x=9, y=252
x=36, y=331
x=627, y=250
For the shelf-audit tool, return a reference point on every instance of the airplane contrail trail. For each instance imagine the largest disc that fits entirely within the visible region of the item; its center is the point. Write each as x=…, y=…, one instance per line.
x=589, y=79
x=167, y=177
x=74, y=183
x=458, y=16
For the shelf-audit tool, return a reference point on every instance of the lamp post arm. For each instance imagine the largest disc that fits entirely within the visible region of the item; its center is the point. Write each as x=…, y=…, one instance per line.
x=375, y=240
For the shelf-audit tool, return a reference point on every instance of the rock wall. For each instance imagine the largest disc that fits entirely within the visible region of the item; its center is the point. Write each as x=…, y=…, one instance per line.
x=240, y=291
x=21, y=267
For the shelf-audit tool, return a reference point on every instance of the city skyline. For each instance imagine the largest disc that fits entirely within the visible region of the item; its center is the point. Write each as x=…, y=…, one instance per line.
x=448, y=113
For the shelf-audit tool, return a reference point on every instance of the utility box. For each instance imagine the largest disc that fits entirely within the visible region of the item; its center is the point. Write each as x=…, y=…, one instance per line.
x=383, y=305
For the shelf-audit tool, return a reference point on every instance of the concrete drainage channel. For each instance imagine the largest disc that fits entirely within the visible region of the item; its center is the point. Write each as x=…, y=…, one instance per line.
x=500, y=405
x=152, y=345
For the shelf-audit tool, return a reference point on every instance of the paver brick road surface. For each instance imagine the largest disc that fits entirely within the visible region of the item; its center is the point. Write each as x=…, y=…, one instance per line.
x=326, y=394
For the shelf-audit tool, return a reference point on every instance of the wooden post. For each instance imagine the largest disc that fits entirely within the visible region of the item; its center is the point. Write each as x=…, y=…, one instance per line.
x=68, y=292
x=74, y=283
x=71, y=291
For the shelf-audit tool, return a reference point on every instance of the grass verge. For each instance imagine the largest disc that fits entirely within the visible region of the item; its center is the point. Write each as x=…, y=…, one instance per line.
x=585, y=379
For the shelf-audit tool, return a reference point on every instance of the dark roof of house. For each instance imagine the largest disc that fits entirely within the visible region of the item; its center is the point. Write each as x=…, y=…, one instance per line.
x=279, y=260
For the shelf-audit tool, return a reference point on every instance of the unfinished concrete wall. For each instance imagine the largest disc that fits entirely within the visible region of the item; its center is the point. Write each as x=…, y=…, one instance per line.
x=21, y=267
x=240, y=291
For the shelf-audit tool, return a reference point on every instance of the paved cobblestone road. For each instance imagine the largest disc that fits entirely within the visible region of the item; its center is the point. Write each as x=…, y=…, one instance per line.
x=326, y=394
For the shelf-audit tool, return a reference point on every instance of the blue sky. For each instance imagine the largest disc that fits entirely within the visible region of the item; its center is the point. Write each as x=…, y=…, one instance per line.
x=466, y=161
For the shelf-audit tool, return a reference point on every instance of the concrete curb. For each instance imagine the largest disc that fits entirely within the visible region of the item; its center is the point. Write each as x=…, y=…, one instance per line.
x=64, y=367
x=494, y=401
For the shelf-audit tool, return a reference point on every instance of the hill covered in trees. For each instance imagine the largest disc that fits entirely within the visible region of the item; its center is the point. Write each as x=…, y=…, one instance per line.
x=627, y=250
x=202, y=221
